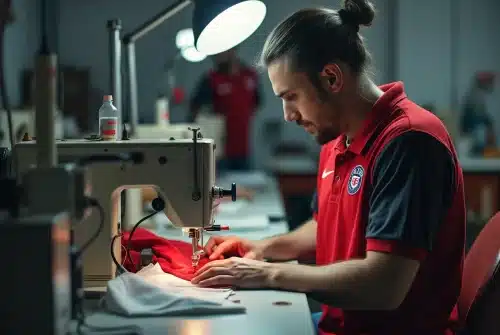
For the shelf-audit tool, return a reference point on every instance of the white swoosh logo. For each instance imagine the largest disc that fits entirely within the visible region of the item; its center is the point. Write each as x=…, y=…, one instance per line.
x=326, y=174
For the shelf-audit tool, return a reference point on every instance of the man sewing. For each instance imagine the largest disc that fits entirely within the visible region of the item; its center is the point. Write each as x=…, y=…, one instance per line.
x=232, y=91
x=389, y=226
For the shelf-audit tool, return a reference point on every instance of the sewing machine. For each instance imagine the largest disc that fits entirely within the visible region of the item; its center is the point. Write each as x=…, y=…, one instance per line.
x=23, y=121
x=211, y=126
x=181, y=170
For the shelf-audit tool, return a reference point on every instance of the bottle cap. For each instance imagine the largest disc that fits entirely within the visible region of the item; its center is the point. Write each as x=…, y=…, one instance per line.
x=107, y=98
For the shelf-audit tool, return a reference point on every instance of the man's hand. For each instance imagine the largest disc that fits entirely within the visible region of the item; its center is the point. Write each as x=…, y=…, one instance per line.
x=219, y=247
x=245, y=193
x=235, y=272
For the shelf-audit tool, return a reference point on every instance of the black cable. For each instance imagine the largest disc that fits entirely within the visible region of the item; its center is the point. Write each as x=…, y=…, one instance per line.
x=132, y=234
x=113, y=256
x=95, y=204
x=81, y=314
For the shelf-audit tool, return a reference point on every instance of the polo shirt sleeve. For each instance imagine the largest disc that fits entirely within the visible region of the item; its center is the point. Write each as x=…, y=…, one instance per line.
x=413, y=186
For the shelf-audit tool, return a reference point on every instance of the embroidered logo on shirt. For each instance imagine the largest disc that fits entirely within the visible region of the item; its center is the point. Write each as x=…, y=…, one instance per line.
x=326, y=173
x=355, y=179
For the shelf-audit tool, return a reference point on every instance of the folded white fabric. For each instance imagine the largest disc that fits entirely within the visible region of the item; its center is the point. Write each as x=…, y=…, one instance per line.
x=151, y=292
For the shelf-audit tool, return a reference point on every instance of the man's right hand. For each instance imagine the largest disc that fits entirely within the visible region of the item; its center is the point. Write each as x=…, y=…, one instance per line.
x=219, y=247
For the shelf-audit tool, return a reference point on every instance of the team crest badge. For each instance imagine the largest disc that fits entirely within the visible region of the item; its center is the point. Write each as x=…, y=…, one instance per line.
x=355, y=180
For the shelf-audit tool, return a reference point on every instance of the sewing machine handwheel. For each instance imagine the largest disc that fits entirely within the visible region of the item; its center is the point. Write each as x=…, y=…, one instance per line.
x=158, y=204
x=227, y=193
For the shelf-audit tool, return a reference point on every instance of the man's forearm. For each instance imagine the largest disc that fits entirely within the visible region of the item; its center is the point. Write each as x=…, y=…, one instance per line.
x=298, y=244
x=351, y=285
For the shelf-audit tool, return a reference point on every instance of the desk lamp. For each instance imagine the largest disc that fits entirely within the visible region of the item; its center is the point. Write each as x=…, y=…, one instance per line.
x=217, y=25
x=184, y=41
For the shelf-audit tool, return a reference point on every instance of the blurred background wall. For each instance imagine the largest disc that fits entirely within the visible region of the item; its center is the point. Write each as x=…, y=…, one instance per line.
x=435, y=47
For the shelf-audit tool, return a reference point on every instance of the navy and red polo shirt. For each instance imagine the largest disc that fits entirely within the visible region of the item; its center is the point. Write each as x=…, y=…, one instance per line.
x=236, y=97
x=396, y=188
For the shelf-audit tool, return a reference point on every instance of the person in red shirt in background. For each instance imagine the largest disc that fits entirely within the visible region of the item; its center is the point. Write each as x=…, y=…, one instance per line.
x=231, y=89
x=388, y=230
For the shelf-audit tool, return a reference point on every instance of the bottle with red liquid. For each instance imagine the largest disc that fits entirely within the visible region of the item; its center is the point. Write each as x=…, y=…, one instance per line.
x=109, y=120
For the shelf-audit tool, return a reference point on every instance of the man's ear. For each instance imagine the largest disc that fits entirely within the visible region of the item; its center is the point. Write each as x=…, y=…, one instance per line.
x=333, y=76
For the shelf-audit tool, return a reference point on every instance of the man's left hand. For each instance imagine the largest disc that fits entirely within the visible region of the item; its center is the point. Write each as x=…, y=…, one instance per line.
x=235, y=272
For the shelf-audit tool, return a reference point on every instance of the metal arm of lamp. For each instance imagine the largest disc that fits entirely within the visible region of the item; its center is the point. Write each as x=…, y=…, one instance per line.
x=131, y=73
x=206, y=13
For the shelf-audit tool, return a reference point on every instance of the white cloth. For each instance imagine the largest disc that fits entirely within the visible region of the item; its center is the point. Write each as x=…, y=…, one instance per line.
x=151, y=292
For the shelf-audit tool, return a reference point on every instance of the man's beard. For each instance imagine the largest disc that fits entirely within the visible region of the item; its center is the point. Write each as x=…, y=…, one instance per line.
x=324, y=136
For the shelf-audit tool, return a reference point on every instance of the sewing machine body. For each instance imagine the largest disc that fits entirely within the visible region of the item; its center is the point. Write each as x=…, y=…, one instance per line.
x=182, y=172
x=153, y=131
x=211, y=126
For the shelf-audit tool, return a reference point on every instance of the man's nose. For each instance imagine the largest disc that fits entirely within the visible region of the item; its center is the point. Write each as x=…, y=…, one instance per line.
x=291, y=115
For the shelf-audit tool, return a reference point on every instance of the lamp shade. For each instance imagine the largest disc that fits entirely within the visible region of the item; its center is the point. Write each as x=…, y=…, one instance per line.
x=191, y=54
x=220, y=25
x=184, y=38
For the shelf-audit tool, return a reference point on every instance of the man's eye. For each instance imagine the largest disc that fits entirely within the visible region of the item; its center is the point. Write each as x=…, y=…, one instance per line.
x=290, y=97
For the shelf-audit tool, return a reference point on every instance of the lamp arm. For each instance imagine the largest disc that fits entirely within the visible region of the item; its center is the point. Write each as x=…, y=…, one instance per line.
x=170, y=64
x=168, y=70
x=155, y=21
x=131, y=71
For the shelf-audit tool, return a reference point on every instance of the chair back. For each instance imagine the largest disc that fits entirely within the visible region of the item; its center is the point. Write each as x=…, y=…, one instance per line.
x=479, y=300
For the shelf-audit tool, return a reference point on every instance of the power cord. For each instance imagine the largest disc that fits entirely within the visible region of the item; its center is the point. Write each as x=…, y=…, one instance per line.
x=129, y=243
x=81, y=317
x=119, y=266
x=94, y=203
x=158, y=205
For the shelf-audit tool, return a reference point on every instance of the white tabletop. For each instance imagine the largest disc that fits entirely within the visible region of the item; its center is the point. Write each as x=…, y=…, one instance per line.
x=297, y=165
x=480, y=165
x=262, y=316
x=306, y=166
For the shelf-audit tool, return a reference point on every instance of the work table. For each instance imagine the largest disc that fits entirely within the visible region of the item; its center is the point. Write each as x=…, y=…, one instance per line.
x=300, y=165
x=480, y=165
x=262, y=316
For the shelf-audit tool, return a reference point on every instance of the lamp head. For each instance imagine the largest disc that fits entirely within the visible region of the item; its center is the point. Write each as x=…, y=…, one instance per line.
x=221, y=25
x=184, y=40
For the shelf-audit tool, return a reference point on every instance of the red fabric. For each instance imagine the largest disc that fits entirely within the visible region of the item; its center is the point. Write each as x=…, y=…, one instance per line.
x=235, y=97
x=173, y=256
x=342, y=221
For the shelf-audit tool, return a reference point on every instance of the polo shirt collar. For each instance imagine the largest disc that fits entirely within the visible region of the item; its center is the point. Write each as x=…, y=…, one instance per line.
x=381, y=110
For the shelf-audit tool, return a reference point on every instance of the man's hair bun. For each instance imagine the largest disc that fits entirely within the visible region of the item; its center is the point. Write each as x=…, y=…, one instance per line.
x=357, y=12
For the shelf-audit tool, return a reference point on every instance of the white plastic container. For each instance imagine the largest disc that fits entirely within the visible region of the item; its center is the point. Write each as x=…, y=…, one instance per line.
x=109, y=120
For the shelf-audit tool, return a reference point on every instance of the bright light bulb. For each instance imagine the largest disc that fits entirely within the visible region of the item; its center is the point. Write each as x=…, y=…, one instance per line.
x=231, y=27
x=184, y=38
x=192, y=55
